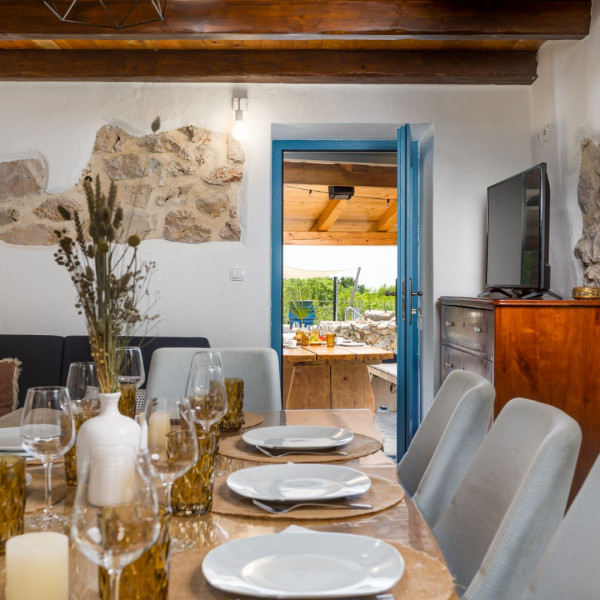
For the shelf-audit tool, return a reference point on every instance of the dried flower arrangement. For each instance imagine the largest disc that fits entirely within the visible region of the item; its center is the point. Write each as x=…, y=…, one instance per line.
x=109, y=279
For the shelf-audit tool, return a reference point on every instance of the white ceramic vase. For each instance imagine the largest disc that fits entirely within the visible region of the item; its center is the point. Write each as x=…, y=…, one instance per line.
x=109, y=428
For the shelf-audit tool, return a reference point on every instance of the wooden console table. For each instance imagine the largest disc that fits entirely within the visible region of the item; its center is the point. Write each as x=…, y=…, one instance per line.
x=319, y=377
x=545, y=350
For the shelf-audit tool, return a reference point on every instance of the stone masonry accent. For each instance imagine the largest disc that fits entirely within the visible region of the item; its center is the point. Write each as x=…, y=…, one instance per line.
x=375, y=328
x=587, y=248
x=180, y=185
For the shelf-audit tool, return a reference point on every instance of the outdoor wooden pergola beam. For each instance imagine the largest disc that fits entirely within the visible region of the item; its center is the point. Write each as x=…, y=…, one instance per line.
x=330, y=215
x=338, y=238
x=388, y=219
x=312, y=173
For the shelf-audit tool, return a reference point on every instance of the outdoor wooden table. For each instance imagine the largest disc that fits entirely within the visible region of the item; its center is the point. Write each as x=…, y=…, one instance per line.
x=320, y=377
x=401, y=524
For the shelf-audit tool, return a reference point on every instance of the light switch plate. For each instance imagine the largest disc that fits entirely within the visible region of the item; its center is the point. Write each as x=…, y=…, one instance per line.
x=236, y=273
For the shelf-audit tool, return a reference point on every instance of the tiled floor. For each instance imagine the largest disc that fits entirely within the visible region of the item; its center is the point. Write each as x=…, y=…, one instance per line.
x=385, y=420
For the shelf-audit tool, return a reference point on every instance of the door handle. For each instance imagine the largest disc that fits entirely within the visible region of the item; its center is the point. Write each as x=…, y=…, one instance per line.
x=413, y=311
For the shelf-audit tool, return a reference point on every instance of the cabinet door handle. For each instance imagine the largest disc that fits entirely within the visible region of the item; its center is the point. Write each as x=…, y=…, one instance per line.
x=476, y=329
x=449, y=323
x=447, y=365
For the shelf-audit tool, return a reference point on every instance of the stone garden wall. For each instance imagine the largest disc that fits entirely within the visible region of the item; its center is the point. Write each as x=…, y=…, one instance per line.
x=376, y=328
x=179, y=185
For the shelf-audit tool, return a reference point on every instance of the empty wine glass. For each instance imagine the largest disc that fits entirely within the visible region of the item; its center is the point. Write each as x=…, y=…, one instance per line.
x=131, y=376
x=205, y=357
x=47, y=432
x=170, y=434
x=115, y=516
x=82, y=383
x=205, y=390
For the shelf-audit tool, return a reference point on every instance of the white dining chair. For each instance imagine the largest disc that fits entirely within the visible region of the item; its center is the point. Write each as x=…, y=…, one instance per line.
x=258, y=367
x=510, y=501
x=446, y=441
x=569, y=566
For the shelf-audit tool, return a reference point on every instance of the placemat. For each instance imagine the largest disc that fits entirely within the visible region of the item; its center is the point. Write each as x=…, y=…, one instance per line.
x=252, y=420
x=35, y=490
x=382, y=494
x=361, y=445
x=425, y=578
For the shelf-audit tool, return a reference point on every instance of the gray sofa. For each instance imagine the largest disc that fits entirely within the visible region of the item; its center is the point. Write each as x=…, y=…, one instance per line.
x=45, y=359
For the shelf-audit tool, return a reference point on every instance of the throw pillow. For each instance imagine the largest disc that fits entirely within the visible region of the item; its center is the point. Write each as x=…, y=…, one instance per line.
x=10, y=368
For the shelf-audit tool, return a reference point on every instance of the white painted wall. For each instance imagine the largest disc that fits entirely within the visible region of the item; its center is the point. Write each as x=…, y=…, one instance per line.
x=566, y=96
x=481, y=134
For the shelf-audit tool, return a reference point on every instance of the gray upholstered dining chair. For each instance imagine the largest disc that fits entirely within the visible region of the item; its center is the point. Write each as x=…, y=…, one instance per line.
x=510, y=501
x=258, y=367
x=569, y=566
x=447, y=441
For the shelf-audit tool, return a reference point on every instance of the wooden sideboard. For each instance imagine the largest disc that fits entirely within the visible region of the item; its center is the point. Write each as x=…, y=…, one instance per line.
x=546, y=350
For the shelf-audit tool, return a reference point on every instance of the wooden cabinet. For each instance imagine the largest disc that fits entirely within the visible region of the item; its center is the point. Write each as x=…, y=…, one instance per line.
x=546, y=350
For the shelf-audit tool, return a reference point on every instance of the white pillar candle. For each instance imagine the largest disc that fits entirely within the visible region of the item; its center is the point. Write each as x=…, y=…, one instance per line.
x=37, y=566
x=158, y=427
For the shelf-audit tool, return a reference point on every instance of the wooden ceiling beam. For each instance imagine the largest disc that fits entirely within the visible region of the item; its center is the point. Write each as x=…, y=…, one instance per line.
x=330, y=215
x=518, y=19
x=338, y=238
x=280, y=66
x=311, y=173
x=388, y=219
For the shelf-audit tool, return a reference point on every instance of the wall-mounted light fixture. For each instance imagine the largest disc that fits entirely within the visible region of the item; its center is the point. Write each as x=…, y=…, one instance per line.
x=116, y=16
x=239, y=130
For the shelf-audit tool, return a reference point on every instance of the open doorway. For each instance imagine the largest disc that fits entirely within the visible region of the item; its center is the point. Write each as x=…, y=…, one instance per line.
x=323, y=212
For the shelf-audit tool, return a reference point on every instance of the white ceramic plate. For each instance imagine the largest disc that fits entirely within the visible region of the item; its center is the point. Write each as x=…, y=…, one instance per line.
x=352, y=344
x=298, y=482
x=298, y=437
x=10, y=440
x=304, y=565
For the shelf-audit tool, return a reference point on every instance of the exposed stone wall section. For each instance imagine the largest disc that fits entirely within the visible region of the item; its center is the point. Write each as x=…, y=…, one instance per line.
x=179, y=185
x=587, y=248
x=376, y=328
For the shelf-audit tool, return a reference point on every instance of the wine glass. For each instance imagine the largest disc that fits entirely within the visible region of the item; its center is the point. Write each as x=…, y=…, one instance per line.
x=47, y=432
x=205, y=390
x=205, y=357
x=170, y=435
x=115, y=516
x=82, y=383
x=131, y=376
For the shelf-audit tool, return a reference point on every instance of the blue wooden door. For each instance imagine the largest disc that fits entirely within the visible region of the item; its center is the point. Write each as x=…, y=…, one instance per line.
x=408, y=292
x=408, y=391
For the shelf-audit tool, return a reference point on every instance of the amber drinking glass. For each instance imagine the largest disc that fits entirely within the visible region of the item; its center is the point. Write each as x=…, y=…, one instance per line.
x=12, y=497
x=82, y=383
x=192, y=492
x=146, y=578
x=234, y=417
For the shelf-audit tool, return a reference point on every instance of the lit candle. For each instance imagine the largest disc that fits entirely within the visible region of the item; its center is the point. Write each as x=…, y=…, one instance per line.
x=37, y=566
x=158, y=427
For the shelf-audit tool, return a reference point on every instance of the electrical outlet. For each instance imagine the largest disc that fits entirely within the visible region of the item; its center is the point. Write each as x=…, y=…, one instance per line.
x=545, y=133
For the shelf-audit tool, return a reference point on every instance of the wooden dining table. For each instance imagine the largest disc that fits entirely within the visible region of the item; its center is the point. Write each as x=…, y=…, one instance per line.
x=400, y=525
x=316, y=376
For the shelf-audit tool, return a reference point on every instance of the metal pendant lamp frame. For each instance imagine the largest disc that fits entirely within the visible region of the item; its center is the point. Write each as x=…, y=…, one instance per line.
x=159, y=7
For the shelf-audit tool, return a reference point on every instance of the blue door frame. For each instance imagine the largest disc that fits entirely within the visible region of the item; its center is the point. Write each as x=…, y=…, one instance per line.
x=407, y=343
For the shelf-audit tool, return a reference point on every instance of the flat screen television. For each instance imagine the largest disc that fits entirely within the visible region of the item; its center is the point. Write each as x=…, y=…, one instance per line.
x=518, y=211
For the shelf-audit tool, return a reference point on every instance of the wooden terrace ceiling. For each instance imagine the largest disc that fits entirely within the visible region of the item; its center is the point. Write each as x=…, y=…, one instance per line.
x=311, y=218
x=292, y=41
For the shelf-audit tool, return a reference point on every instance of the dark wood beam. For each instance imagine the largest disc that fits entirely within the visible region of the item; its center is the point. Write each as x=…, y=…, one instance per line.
x=281, y=66
x=310, y=173
x=535, y=19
